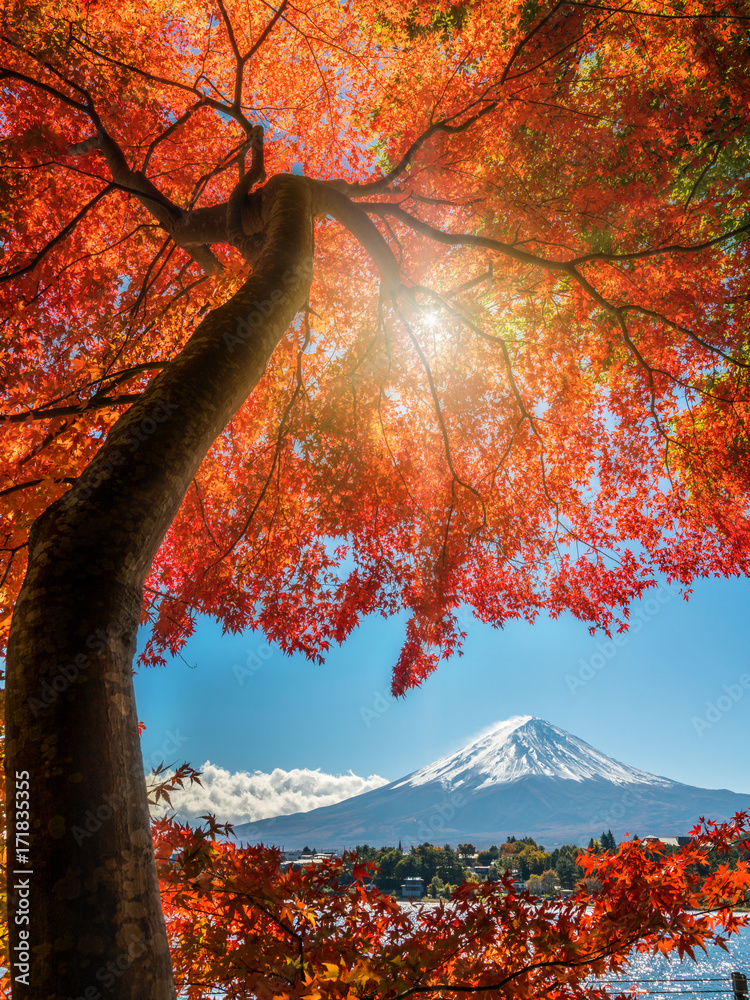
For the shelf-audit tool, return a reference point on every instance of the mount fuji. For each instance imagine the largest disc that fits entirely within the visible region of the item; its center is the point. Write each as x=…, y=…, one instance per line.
x=525, y=777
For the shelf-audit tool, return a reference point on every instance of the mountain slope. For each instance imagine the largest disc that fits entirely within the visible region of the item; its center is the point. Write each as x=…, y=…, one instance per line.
x=524, y=746
x=525, y=777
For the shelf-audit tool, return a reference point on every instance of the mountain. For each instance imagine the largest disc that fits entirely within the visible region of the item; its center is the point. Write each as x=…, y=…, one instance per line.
x=525, y=777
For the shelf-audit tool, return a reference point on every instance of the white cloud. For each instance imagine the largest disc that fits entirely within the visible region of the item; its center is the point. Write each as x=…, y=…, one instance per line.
x=241, y=797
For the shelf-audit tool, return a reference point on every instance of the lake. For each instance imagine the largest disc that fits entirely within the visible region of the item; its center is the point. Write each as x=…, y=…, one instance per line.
x=708, y=979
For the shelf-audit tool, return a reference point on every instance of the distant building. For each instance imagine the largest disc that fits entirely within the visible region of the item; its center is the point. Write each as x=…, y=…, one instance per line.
x=669, y=841
x=486, y=871
x=412, y=888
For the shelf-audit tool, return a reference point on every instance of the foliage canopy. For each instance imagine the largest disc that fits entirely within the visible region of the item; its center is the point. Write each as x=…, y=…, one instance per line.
x=522, y=380
x=511, y=372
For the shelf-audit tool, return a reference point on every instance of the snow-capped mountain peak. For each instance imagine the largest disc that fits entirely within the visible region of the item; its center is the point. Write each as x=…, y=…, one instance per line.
x=524, y=746
x=523, y=777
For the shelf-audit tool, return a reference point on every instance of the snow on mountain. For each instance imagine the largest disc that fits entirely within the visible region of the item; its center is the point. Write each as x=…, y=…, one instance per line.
x=523, y=746
x=524, y=777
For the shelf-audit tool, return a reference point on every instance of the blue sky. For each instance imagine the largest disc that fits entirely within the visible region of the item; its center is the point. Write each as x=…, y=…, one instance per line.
x=670, y=699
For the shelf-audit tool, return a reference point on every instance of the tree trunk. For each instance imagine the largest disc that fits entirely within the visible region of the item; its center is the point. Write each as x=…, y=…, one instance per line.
x=84, y=908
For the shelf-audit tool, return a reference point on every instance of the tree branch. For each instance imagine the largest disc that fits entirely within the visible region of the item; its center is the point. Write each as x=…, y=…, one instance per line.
x=165, y=211
x=658, y=251
x=462, y=239
x=377, y=187
x=330, y=201
x=68, y=411
x=668, y=17
x=172, y=128
x=255, y=175
x=628, y=307
x=9, y=275
x=229, y=29
x=7, y=73
x=266, y=32
x=519, y=46
x=32, y=482
x=703, y=173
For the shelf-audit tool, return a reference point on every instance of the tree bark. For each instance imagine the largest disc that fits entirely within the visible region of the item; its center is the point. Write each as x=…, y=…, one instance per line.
x=84, y=902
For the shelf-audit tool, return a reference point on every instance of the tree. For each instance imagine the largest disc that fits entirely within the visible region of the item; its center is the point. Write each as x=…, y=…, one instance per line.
x=608, y=842
x=240, y=927
x=534, y=858
x=548, y=880
x=566, y=872
x=534, y=885
x=449, y=867
x=409, y=866
x=488, y=268
x=437, y=889
x=467, y=850
x=385, y=876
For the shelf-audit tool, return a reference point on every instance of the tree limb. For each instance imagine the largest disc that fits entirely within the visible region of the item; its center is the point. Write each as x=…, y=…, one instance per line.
x=165, y=211
x=328, y=200
x=255, y=175
x=67, y=411
x=9, y=275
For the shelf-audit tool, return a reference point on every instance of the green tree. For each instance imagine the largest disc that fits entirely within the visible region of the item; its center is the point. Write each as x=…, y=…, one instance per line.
x=566, y=872
x=386, y=877
x=428, y=858
x=608, y=841
x=535, y=857
x=408, y=866
x=450, y=867
x=437, y=889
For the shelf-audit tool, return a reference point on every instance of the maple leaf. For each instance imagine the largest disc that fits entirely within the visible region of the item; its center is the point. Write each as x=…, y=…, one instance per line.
x=323, y=310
